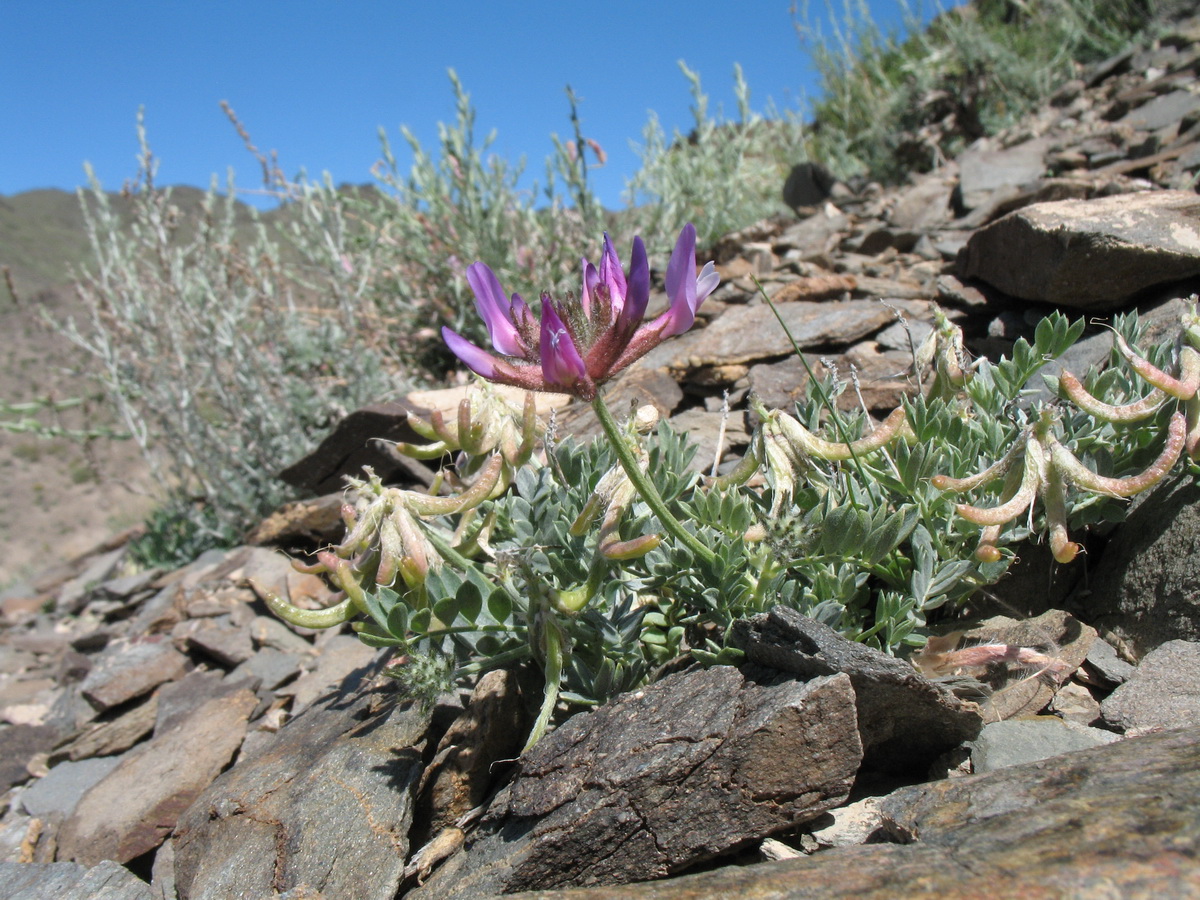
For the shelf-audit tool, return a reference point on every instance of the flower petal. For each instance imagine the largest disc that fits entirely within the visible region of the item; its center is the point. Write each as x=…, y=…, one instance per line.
x=638, y=295
x=562, y=365
x=478, y=361
x=681, y=285
x=612, y=275
x=706, y=283
x=495, y=309
x=591, y=278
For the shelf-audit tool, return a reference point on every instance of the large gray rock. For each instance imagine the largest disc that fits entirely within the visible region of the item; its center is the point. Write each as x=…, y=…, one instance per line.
x=1089, y=254
x=1146, y=589
x=326, y=807
x=659, y=780
x=904, y=720
x=1115, y=821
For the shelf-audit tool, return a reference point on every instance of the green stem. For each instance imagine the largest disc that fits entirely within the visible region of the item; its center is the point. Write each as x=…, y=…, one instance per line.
x=644, y=486
x=553, y=667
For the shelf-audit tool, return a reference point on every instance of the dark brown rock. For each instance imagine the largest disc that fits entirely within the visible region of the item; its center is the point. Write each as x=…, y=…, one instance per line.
x=354, y=443
x=1115, y=821
x=666, y=777
x=135, y=807
x=326, y=806
x=904, y=720
x=129, y=669
x=1089, y=254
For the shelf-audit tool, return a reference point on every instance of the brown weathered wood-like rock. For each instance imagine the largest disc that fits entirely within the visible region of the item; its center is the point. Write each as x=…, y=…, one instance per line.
x=1116, y=821
x=696, y=765
x=327, y=806
x=904, y=719
x=1089, y=254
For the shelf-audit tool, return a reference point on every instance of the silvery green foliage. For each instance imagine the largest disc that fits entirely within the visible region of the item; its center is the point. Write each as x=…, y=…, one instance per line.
x=223, y=357
x=724, y=176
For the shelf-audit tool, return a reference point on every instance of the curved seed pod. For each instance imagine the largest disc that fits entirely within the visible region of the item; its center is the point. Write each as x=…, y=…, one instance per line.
x=418, y=556
x=992, y=472
x=812, y=445
x=420, y=451
x=1054, y=499
x=1129, y=412
x=1191, y=441
x=1077, y=473
x=987, y=551
x=746, y=467
x=442, y=430
x=1180, y=388
x=480, y=490
x=423, y=428
x=309, y=618
x=1031, y=479
x=631, y=549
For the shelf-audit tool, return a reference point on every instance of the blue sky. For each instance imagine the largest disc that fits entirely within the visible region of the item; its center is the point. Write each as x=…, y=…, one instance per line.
x=316, y=80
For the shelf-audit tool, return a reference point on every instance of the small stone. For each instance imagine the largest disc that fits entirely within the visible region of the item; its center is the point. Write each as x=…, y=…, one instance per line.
x=19, y=744
x=226, y=644
x=269, y=667
x=1163, y=693
x=1106, y=667
x=341, y=657
x=267, y=631
x=1075, y=703
x=112, y=737
x=852, y=824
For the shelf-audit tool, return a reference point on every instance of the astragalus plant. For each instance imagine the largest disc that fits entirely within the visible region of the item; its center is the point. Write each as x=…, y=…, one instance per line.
x=601, y=562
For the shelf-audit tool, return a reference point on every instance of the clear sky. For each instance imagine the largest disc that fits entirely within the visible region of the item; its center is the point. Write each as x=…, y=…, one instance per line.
x=316, y=80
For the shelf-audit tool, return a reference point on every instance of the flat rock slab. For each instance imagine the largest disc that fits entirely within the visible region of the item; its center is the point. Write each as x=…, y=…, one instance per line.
x=1115, y=821
x=70, y=881
x=129, y=669
x=983, y=170
x=663, y=778
x=134, y=808
x=1163, y=693
x=747, y=333
x=904, y=720
x=1089, y=254
x=326, y=807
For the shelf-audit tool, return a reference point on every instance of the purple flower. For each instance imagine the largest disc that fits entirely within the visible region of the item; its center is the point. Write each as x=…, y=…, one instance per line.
x=579, y=344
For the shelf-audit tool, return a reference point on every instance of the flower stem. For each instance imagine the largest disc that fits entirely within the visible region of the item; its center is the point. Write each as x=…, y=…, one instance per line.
x=552, y=649
x=644, y=486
